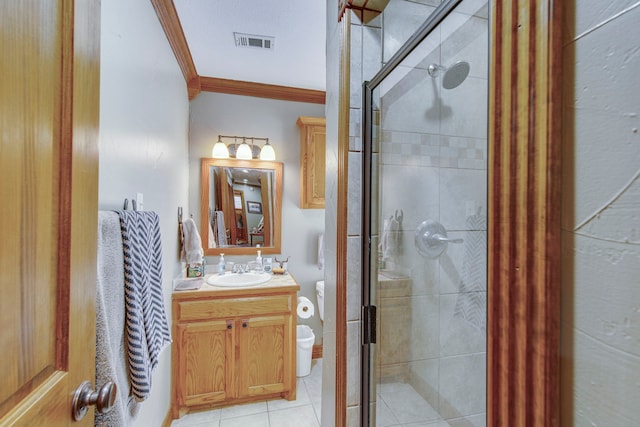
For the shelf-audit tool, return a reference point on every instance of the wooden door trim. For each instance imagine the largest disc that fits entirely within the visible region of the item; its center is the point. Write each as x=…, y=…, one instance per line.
x=524, y=229
x=341, y=229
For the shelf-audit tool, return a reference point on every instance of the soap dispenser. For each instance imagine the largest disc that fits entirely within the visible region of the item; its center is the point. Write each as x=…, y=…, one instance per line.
x=221, y=265
x=259, y=257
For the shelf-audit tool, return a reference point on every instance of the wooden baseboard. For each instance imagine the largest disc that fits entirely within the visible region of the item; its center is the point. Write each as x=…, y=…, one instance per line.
x=168, y=419
x=316, y=352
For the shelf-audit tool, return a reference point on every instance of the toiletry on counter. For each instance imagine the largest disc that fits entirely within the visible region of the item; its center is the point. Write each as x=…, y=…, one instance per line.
x=267, y=263
x=221, y=265
x=196, y=269
x=259, y=257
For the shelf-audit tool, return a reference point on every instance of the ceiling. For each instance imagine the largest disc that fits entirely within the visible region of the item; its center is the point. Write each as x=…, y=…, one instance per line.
x=297, y=58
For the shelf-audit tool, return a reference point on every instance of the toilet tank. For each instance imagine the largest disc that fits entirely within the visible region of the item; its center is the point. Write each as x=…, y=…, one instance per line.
x=320, y=297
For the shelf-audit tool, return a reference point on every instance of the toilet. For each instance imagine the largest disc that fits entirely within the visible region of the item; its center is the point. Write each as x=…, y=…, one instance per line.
x=320, y=296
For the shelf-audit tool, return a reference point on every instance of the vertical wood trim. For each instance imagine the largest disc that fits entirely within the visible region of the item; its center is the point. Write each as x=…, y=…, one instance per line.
x=524, y=229
x=341, y=241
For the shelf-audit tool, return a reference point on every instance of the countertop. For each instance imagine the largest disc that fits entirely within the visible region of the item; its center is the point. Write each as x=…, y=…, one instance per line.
x=278, y=283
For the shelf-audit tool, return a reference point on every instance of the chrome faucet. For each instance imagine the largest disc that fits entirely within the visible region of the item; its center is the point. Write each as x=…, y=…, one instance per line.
x=240, y=268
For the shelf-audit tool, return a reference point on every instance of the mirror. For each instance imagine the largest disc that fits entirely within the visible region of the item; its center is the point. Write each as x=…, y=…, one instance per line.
x=241, y=206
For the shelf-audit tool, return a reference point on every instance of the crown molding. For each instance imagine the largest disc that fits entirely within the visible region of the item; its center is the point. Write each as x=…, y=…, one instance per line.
x=261, y=90
x=168, y=16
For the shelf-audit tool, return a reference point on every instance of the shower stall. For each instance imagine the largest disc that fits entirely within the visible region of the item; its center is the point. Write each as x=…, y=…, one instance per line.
x=424, y=225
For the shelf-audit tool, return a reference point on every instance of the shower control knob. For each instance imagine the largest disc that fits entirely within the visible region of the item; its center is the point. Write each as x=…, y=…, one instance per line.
x=431, y=239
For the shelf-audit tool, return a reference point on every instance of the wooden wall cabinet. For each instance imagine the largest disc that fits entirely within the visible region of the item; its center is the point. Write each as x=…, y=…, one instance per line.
x=233, y=346
x=312, y=161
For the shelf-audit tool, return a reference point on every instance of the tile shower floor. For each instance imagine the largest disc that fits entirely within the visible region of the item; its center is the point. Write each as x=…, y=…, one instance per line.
x=302, y=412
x=399, y=405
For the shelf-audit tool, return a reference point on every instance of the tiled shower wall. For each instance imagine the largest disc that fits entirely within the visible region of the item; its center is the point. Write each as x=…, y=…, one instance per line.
x=433, y=151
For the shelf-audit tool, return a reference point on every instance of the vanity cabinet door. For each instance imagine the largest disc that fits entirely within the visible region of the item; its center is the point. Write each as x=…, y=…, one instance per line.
x=266, y=356
x=206, y=361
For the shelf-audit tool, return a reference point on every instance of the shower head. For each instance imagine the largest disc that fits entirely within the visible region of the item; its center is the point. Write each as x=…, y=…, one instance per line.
x=453, y=76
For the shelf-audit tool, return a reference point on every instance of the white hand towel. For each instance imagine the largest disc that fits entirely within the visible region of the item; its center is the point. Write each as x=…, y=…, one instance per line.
x=192, y=251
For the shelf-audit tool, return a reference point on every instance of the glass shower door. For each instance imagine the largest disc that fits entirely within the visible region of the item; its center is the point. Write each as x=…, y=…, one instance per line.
x=424, y=284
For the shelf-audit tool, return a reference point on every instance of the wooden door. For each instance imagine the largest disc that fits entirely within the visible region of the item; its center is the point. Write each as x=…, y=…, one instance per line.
x=49, y=102
x=265, y=365
x=206, y=361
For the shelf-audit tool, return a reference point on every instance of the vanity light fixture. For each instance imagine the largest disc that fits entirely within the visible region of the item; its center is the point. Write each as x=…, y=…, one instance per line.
x=220, y=150
x=243, y=151
x=267, y=152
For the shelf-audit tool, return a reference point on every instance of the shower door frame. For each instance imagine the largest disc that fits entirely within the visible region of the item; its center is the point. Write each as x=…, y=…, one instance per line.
x=368, y=332
x=523, y=230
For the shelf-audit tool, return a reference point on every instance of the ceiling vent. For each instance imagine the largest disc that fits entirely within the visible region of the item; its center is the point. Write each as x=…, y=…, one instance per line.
x=254, y=41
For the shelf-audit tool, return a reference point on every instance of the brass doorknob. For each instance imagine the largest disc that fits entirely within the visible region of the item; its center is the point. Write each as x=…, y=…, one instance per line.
x=84, y=397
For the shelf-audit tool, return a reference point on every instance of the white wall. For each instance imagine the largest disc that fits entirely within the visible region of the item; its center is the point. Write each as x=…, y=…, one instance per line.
x=144, y=144
x=600, y=316
x=214, y=114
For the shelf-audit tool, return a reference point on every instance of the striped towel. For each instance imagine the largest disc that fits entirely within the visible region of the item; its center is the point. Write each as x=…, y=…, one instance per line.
x=146, y=321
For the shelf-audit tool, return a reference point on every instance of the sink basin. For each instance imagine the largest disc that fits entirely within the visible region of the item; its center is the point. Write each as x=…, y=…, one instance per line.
x=236, y=280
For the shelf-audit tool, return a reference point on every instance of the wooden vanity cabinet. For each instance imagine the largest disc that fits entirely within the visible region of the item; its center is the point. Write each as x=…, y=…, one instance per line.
x=312, y=161
x=233, y=346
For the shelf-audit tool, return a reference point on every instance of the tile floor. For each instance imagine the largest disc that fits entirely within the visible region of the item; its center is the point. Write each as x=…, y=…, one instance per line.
x=302, y=412
x=399, y=405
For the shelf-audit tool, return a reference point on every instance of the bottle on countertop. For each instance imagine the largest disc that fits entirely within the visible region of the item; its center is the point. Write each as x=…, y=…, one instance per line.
x=259, y=257
x=221, y=265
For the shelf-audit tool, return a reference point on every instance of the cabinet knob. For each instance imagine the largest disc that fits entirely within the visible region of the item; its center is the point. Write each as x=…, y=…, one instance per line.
x=245, y=323
x=229, y=324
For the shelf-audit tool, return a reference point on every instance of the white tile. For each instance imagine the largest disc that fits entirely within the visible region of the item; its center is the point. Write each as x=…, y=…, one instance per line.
x=411, y=101
x=466, y=109
x=463, y=266
x=208, y=418
x=479, y=8
x=255, y=420
x=302, y=399
x=384, y=415
x=353, y=363
x=371, y=52
x=407, y=405
x=479, y=420
x=353, y=416
x=462, y=385
x=354, y=284
x=459, y=334
x=463, y=199
x=414, y=190
x=356, y=66
x=424, y=327
x=303, y=416
x=466, y=38
x=245, y=409
x=354, y=207
x=401, y=19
